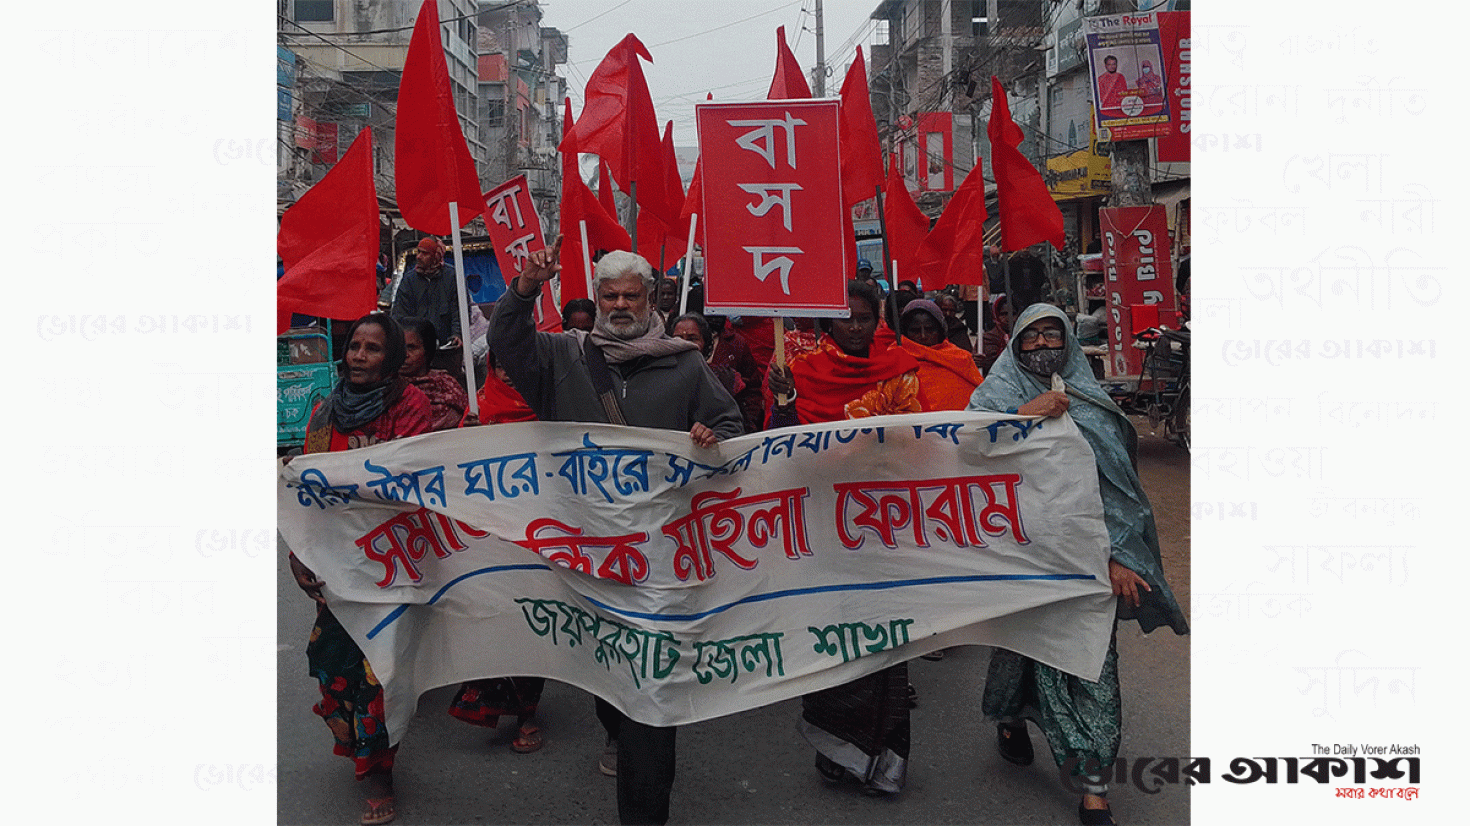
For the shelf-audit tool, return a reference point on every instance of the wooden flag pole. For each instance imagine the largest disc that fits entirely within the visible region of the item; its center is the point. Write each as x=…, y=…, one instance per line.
x=586, y=257
x=688, y=266
x=464, y=310
x=892, y=300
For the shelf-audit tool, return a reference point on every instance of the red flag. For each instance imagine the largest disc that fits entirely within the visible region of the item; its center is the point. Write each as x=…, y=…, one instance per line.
x=617, y=122
x=862, y=159
x=1028, y=215
x=605, y=188
x=954, y=250
x=328, y=242
x=579, y=204
x=789, y=81
x=693, y=205
x=904, y=222
x=660, y=238
x=431, y=163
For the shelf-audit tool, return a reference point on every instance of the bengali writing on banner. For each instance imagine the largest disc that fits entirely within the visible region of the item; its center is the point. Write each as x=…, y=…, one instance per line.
x=683, y=583
x=776, y=224
x=515, y=230
x=1128, y=85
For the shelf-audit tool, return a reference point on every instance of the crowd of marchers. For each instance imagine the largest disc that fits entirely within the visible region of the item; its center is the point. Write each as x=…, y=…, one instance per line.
x=628, y=356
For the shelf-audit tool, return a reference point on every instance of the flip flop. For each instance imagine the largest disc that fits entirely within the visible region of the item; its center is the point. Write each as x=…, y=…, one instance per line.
x=528, y=740
x=377, y=811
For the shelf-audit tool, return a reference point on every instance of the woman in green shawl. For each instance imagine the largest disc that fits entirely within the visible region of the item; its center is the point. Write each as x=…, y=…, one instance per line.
x=1082, y=720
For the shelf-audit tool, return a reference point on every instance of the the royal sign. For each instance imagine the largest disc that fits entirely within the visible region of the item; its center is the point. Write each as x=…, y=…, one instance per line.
x=773, y=208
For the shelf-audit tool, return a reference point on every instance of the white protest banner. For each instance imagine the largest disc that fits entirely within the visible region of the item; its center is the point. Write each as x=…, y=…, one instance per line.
x=683, y=583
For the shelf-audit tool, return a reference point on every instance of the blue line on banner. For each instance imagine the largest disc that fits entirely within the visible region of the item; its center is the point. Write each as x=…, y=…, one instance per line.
x=793, y=592
x=398, y=612
x=819, y=589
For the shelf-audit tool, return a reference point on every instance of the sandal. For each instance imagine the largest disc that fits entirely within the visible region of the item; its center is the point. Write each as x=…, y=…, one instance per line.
x=1095, y=817
x=377, y=811
x=1014, y=743
x=528, y=740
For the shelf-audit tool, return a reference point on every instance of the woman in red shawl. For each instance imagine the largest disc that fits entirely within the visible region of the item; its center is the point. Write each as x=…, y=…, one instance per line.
x=447, y=397
x=947, y=374
x=860, y=729
x=371, y=403
x=847, y=377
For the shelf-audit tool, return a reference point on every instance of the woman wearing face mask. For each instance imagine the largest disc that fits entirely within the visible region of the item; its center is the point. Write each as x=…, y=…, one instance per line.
x=1082, y=720
x=372, y=403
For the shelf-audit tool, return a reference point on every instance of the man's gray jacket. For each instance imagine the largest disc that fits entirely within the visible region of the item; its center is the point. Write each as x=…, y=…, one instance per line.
x=550, y=372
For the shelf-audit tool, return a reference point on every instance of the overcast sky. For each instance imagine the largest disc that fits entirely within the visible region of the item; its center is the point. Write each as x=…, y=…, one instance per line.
x=700, y=46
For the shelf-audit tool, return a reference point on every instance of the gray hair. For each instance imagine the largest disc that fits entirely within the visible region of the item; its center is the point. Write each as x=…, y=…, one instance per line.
x=620, y=264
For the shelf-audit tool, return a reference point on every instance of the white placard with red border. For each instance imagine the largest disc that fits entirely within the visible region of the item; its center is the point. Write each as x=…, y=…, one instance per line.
x=773, y=208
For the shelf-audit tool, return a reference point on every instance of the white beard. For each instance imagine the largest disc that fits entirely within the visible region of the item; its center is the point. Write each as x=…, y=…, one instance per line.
x=624, y=330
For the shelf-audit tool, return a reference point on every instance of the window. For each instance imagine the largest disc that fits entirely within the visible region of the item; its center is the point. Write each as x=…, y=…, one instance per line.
x=494, y=113
x=314, y=11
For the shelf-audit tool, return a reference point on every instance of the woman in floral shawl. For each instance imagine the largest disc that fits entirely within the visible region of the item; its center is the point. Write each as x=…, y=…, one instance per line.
x=859, y=729
x=1082, y=720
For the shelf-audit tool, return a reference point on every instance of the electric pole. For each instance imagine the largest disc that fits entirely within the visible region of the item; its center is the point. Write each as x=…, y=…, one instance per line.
x=819, y=74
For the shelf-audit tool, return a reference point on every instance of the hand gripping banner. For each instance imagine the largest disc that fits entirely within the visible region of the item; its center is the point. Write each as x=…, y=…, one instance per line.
x=683, y=583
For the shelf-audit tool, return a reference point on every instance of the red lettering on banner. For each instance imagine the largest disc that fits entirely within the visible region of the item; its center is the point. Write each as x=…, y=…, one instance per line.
x=887, y=508
x=716, y=522
x=623, y=562
x=399, y=543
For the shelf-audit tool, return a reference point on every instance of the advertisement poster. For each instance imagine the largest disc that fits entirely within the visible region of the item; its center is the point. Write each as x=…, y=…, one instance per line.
x=1139, y=271
x=776, y=224
x=1127, y=63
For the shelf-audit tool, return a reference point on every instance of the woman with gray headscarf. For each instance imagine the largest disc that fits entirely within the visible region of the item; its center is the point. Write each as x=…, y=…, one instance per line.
x=1082, y=720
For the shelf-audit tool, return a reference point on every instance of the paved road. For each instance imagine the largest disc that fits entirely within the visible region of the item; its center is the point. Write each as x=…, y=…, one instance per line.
x=754, y=767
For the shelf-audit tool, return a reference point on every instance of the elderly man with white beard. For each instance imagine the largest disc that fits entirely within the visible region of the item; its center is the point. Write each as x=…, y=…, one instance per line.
x=626, y=371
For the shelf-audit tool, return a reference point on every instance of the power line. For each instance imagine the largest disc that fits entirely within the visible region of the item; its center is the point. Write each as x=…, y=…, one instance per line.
x=600, y=14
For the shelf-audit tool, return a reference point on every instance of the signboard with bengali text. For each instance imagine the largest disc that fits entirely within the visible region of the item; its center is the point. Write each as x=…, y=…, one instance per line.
x=774, y=218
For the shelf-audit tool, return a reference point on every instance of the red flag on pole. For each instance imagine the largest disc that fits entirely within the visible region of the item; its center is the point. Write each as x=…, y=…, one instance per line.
x=604, y=183
x=954, y=250
x=660, y=238
x=904, y=222
x=617, y=122
x=789, y=81
x=578, y=204
x=862, y=159
x=1028, y=215
x=328, y=242
x=431, y=163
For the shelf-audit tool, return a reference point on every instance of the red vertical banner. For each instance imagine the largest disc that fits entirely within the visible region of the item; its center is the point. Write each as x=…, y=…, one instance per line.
x=1139, y=272
x=1174, y=38
x=325, y=150
x=936, y=151
x=777, y=227
x=515, y=230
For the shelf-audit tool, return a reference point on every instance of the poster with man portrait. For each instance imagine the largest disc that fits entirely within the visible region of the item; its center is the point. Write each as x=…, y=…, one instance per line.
x=1128, y=84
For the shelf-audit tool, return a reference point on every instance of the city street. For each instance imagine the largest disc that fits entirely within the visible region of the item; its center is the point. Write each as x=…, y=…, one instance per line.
x=754, y=767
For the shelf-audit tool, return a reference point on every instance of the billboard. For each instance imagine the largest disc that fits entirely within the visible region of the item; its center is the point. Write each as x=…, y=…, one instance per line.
x=1126, y=62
